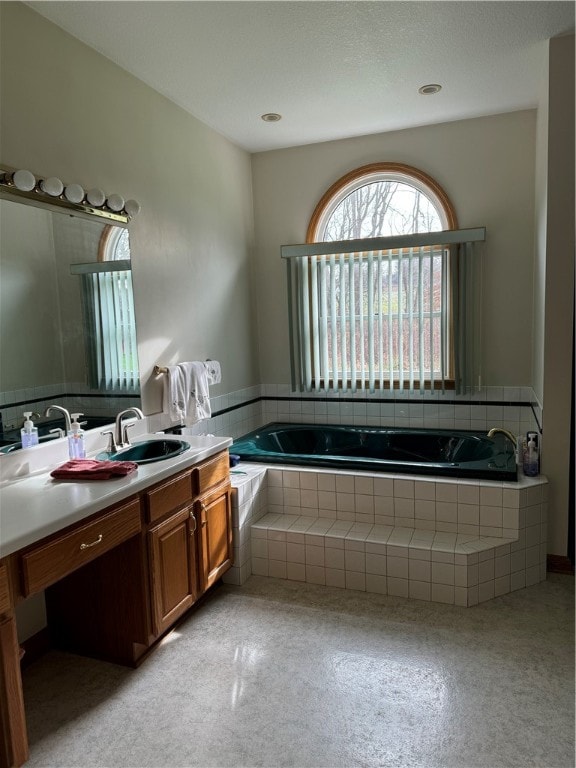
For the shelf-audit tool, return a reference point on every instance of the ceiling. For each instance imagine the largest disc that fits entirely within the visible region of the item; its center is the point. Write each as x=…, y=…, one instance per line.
x=331, y=69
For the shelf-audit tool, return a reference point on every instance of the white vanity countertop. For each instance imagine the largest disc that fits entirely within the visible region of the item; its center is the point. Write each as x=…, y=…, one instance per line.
x=35, y=505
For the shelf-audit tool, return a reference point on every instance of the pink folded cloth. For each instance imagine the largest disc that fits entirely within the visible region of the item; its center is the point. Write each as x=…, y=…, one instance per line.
x=92, y=469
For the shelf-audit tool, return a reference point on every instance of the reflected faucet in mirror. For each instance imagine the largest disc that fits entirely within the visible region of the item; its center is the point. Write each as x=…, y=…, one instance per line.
x=64, y=412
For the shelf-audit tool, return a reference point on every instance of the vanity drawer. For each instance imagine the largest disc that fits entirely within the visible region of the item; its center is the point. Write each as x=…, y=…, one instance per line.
x=4, y=590
x=211, y=473
x=48, y=563
x=169, y=496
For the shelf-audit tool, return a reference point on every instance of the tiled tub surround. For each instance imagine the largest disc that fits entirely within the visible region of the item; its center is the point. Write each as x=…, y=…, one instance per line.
x=459, y=542
x=237, y=413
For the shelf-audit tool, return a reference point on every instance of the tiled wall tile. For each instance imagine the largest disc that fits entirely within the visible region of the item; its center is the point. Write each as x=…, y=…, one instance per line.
x=315, y=574
x=296, y=571
x=277, y=569
x=397, y=586
x=502, y=585
x=446, y=511
x=375, y=564
x=315, y=556
x=425, y=490
x=419, y=590
x=442, y=573
x=419, y=570
x=442, y=593
x=355, y=580
x=485, y=591
x=397, y=567
x=355, y=561
x=376, y=583
x=517, y=580
x=335, y=578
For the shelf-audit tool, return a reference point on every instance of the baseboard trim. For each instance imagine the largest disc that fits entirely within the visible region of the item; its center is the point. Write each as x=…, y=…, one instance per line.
x=34, y=647
x=559, y=564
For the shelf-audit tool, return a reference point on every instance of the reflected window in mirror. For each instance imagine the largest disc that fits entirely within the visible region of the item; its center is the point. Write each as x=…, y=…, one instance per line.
x=108, y=305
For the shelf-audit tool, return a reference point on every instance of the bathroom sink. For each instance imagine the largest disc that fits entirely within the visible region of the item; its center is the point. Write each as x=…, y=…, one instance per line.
x=147, y=451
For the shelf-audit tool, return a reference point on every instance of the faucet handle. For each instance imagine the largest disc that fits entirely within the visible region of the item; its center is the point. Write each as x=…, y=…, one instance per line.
x=125, y=428
x=112, y=448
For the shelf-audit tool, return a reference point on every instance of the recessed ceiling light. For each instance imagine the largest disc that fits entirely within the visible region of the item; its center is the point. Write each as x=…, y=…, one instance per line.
x=429, y=90
x=271, y=117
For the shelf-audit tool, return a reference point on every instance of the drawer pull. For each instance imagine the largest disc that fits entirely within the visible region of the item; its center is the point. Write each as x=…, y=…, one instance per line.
x=92, y=543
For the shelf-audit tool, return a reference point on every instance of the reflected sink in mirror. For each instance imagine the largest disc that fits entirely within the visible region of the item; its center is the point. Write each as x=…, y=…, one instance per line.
x=147, y=451
x=8, y=447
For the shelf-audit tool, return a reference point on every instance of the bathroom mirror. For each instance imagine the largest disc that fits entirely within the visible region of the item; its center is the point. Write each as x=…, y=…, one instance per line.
x=48, y=340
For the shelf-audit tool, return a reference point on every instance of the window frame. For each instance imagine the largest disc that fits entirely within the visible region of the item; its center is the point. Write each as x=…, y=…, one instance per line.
x=384, y=171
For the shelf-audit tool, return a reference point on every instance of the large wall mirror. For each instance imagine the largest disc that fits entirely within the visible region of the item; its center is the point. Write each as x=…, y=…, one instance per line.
x=67, y=325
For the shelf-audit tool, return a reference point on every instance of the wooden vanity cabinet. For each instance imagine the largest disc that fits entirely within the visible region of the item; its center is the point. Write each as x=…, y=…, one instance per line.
x=117, y=581
x=172, y=550
x=13, y=740
x=101, y=608
x=191, y=546
x=215, y=540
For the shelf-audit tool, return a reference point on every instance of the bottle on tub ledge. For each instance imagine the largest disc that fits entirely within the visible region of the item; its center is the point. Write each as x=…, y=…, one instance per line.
x=76, y=447
x=531, y=463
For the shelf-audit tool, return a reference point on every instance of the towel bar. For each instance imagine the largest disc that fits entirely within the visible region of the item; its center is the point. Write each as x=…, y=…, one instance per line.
x=158, y=369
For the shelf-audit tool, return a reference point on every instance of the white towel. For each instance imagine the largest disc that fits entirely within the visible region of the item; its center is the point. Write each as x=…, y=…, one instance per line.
x=175, y=394
x=196, y=386
x=214, y=372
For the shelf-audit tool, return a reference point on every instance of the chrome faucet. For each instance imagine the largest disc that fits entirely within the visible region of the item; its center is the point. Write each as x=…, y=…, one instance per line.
x=508, y=434
x=63, y=411
x=121, y=434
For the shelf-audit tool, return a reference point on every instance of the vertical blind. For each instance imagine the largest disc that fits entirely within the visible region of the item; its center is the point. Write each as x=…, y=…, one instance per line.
x=385, y=312
x=112, y=352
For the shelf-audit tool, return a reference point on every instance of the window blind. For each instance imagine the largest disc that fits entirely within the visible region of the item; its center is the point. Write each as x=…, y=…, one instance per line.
x=384, y=313
x=111, y=339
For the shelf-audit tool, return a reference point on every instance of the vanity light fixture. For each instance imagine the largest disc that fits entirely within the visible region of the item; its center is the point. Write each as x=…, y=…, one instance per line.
x=24, y=181
x=430, y=89
x=52, y=191
x=52, y=186
x=74, y=193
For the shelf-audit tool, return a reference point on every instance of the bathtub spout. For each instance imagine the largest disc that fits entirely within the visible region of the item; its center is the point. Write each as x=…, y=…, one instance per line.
x=508, y=434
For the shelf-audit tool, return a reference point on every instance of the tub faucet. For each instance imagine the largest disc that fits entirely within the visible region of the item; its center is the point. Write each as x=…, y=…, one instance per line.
x=121, y=435
x=63, y=411
x=508, y=434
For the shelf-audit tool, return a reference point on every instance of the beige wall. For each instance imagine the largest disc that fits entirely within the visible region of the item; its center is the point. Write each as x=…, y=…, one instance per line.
x=68, y=111
x=485, y=165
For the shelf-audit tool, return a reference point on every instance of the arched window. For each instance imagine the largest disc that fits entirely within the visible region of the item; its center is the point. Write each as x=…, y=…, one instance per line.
x=381, y=200
x=378, y=309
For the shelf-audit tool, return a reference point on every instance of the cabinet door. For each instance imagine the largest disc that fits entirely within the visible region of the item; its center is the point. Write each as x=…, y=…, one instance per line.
x=173, y=568
x=214, y=515
x=13, y=738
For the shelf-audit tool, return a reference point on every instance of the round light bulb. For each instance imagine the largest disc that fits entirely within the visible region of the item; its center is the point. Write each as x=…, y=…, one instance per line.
x=115, y=203
x=132, y=207
x=74, y=193
x=96, y=197
x=24, y=181
x=52, y=186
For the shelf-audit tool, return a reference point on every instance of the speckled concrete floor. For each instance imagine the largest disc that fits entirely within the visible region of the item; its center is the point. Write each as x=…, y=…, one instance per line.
x=279, y=673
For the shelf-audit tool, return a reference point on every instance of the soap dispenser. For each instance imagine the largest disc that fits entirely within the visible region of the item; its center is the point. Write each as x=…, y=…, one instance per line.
x=28, y=433
x=76, y=447
x=531, y=460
